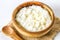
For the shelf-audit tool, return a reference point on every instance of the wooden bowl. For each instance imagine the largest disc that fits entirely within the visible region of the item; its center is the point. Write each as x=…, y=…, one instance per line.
x=24, y=32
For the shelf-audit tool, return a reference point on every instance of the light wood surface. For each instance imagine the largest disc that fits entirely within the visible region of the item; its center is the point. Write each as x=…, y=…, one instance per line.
x=49, y=36
x=8, y=30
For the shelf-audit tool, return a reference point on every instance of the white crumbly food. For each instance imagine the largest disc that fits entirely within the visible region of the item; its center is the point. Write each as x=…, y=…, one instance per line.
x=33, y=18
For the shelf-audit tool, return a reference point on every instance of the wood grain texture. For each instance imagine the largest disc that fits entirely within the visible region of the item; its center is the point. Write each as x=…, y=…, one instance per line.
x=9, y=31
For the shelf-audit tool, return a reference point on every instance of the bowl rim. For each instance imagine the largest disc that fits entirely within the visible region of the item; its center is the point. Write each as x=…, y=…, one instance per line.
x=25, y=4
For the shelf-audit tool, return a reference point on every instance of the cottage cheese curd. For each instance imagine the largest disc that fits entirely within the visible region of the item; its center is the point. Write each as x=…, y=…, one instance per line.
x=33, y=18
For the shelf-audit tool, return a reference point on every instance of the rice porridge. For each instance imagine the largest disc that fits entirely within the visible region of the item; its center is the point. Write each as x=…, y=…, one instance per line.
x=33, y=18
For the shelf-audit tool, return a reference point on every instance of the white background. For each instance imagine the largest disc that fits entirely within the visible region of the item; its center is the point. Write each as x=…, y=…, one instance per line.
x=7, y=7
